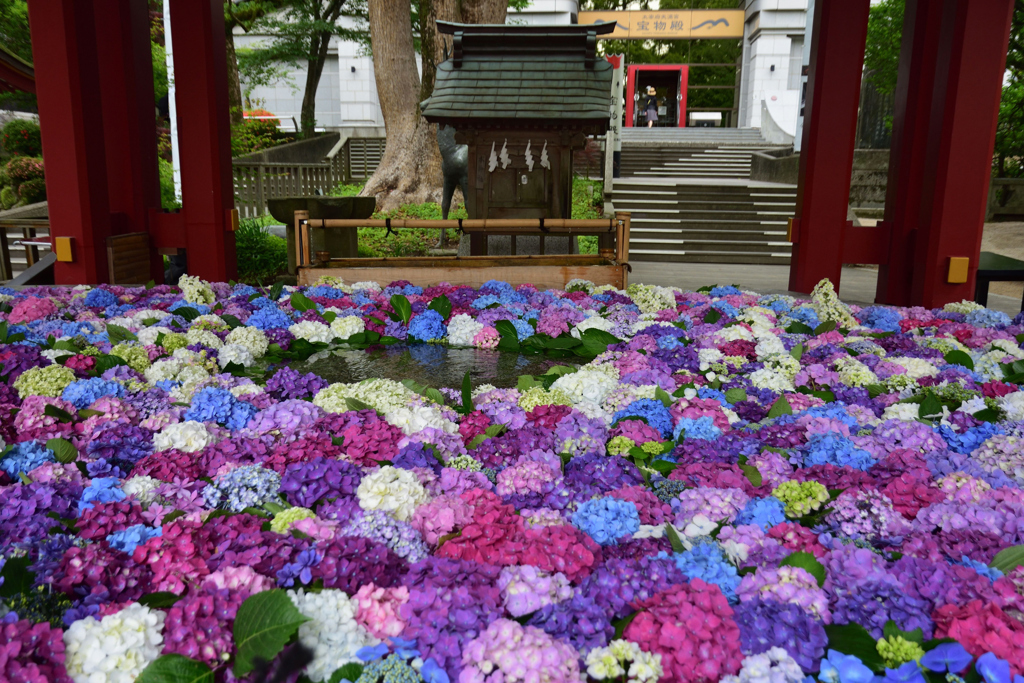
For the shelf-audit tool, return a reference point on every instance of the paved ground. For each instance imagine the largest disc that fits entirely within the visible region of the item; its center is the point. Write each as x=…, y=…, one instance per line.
x=1006, y=239
x=857, y=284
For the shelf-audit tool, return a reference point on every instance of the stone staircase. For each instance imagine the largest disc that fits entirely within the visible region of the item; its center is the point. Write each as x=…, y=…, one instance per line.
x=692, y=201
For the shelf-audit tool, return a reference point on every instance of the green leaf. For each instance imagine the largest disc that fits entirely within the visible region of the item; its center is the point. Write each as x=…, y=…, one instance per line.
x=231, y=320
x=442, y=305
x=876, y=390
x=509, y=337
x=736, y=395
x=263, y=626
x=175, y=669
x=349, y=672
x=712, y=316
x=780, y=407
x=664, y=397
x=356, y=404
x=638, y=454
x=1008, y=559
x=526, y=382
x=891, y=630
x=85, y=413
x=403, y=309
x=622, y=624
x=958, y=357
x=302, y=303
x=807, y=562
x=799, y=328
x=118, y=334
x=664, y=467
x=106, y=362
x=673, y=538
x=495, y=430
x=477, y=440
x=825, y=395
x=171, y=516
x=987, y=415
x=17, y=577
x=467, y=394
x=854, y=639
x=61, y=415
x=827, y=326
x=330, y=316
x=931, y=405
x=159, y=600
x=566, y=342
x=63, y=450
x=187, y=312
x=753, y=474
x=275, y=291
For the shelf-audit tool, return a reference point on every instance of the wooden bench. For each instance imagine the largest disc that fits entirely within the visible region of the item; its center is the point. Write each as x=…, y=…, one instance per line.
x=996, y=268
x=128, y=258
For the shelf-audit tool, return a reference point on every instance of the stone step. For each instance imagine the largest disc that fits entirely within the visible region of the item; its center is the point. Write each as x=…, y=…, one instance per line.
x=710, y=257
x=749, y=246
x=710, y=233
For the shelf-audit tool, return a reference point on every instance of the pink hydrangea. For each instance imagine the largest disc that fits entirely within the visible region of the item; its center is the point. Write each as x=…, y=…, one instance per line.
x=31, y=308
x=797, y=538
x=652, y=510
x=486, y=338
x=718, y=505
x=33, y=424
x=696, y=408
x=508, y=652
x=32, y=653
x=377, y=609
x=786, y=585
x=199, y=625
x=691, y=626
x=526, y=589
x=441, y=516
x=525, y=477
x=983, y=627
x=234, y=578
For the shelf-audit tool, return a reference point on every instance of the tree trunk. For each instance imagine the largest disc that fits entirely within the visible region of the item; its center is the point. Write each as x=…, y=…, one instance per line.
x=410, y=171
x=234, y=84
x=484, y=11
x=314, y=69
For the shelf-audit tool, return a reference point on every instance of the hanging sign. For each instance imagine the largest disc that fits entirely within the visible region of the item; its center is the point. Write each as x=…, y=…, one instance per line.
x=669, y=24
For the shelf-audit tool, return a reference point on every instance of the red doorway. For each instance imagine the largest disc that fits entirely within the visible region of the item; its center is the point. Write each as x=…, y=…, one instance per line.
x=669, y=80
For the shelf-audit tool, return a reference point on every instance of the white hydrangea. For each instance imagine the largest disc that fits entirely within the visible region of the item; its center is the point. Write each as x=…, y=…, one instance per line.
x=586, y=384
x=140, y=317
x=641, y=325
x=312, y=331
x=773, y=666
x=383, y=395
x=1013, y=404
x=595, y=322
x=766, y=378
x=611, y=662
x=235, y=353
x=368, y=286
x=1007, y=346
x=461, y=330
x=193, y=374
x=916, y=367
x=412, y=419
x=908, y=412
x=252, y=338
x=395, y=491
x=345, y=327
x=245, y=390
x=54, y=354
x=708, y=356
x=121, y=321
x=988, y=365
x=332, y=632
x=166, y=368
x=147, y=335
x=855, y=373
x=204, y=337
x=195, y=290
x=188, y=436
x=769, y=345
x=142, y=487
x=964, y=307
x=115, y=649
x=651, y=298
x=579, y=284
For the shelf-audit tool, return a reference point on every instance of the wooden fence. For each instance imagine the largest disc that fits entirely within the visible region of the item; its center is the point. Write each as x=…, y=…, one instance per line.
x=258, y=181
x=15, y=257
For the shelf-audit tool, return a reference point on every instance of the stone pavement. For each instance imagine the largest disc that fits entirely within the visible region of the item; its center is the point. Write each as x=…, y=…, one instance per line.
x=857, y=285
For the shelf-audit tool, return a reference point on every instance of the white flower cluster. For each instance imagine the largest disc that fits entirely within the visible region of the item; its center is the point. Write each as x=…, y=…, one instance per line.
x=773, y=666
x=116, y=648
x=586, y=384
x=916, y=367
x=593, y=322
x=368, y=286
x=147, y=335
x=395, y=491
x=1013, y=404
x=461, y=330
x=142, y=487
x=195, y=290
x=345, y=327
x=54, y=354
x=623, y=658
x=579, y=285
x=235, y=353
x=907, y=412
x=167, y=368
x=312, y=331
x=204, y=337
x=188, y=437
x=241, y=390
x=964, y=306
x=383, y=395
x=827, y=305
x=854, y=373
x=252, y=338
x=651, y=298
x=332, y=632
x=412, y=419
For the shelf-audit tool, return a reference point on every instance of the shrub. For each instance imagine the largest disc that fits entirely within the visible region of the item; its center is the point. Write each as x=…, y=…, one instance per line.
x=8, y=198
x=32, y=191
x=20, y=169
x=167, y=198
x=21, y=138
x=261, y=256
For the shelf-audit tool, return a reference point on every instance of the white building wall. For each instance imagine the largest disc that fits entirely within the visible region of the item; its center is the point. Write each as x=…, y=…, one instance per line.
x=773, y=45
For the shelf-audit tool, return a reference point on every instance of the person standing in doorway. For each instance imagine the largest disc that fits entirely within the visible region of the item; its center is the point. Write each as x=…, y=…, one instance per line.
x=651, y=106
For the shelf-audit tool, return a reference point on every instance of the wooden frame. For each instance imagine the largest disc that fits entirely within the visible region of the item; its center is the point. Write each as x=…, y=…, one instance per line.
x=128, y=258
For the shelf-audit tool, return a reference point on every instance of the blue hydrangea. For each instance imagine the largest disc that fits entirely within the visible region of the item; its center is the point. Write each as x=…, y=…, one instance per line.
x=214, y=404
x=242, y=289
x=832, y=411
x=262, y=302
x=100, y=298
x=428, y=326
x=708, y=392
x=82, y=329
x=968, y=440
x=724, y=290
x=242, y=487
x=25, y=457
x=84, y=392
x=181, y=303
x=832, y=448
x=726, y=308
x=531, y=314
x=776, y=305
x=702, y=428
x=806, y=315
x=117, y=310
x=880, y=318
x=990, y=573
x=652, y=410
x=325, y=292
x=606, y=520
x=764, y=512
x=128, y=538
x=668, y=343
x=268, y=319
x=523, y=329
x=101, y=490
x=986, y=317
x=482, y=302
x=705, y=561
x=686, y=320
x=168, y=385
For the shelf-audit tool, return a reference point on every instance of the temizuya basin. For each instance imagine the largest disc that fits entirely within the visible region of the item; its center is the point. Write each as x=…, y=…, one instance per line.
x=340, y=242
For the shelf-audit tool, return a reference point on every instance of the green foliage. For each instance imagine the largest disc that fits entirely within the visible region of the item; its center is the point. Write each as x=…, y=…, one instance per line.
x=160, y=79
x=261, y=256
x=176, y=669
x=168, y=200
x=14, y=33
x=1009, y=151
x=8, y=197
x=263, y=626
x=882, y=54
x=32, y=191
x=20, y=169
x=21, y=138
x=252, y=135
x=587, y=203
x=343, y=190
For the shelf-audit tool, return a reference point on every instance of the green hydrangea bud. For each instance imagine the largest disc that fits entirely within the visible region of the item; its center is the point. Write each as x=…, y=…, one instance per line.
x=801, y=498
x=173, y=341
x=45, y=381
x=135, y=356
x=285, y=518
x=652, y=447
x=620, y=445
x=897, y=650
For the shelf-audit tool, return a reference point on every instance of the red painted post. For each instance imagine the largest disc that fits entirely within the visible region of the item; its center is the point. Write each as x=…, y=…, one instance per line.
x=67, y=87
x=958, y=167
x=126, y=78
x=826, y=159
x=204, y=136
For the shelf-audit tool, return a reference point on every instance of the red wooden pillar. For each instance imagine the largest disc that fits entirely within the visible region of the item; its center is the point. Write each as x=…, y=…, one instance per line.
x=204, y=136
x=826, y=159
x=67, y=87
x=948, y=179
x=126, y=92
